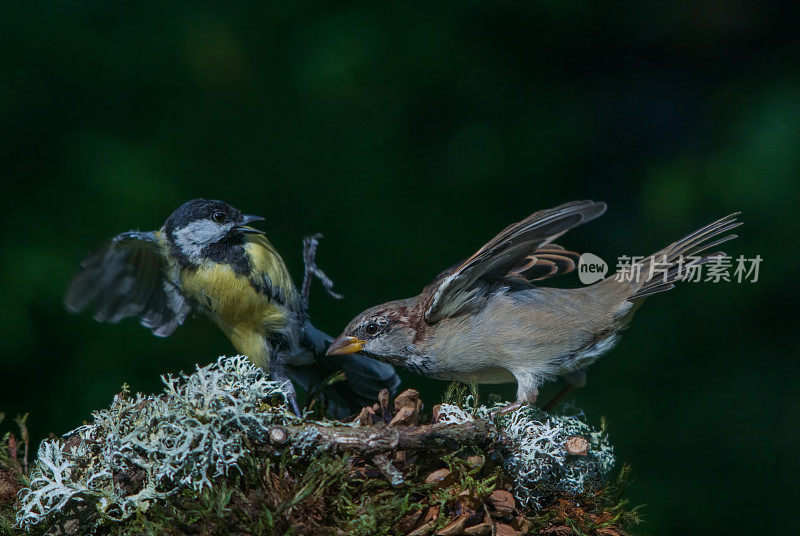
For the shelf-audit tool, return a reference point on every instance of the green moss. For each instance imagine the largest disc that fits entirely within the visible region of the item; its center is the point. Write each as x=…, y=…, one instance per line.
x=282, y=495
x=13, y=473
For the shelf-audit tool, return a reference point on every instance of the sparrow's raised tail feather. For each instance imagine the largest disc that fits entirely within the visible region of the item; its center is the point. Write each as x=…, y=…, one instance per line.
x=659, y=272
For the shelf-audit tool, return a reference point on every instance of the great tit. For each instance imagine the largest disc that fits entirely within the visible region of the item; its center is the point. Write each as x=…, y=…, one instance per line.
x=207, y=257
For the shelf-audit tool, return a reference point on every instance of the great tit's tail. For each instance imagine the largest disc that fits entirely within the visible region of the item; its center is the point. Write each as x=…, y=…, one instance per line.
x=364, y=377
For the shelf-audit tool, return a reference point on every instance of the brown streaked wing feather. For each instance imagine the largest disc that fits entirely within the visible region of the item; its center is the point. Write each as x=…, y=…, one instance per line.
x=539, y=265
x=541, y=269
x=452, y=291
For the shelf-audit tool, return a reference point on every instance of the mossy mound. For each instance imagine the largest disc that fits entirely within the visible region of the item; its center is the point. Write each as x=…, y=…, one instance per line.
x=219, y=453
x=330, y=496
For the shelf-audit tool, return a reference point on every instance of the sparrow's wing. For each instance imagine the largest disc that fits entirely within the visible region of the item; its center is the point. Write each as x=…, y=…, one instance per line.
x=508, y=254
x=543, y=263
x=128, y=278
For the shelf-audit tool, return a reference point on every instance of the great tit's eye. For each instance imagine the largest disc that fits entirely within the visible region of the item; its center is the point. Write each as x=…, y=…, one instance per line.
x=218, y=217
x=371, y=328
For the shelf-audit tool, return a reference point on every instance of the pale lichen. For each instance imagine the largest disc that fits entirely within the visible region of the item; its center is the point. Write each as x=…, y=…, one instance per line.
x=195, y=431
x=540, y=462
x=536, y=456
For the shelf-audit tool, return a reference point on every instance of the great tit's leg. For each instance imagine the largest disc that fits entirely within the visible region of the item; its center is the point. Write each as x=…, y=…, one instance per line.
x=310, y=244
x=278, y=374
x=294, y=405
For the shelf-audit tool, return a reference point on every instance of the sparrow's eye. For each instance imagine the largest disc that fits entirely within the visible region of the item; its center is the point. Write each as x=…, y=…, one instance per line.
x=219, y=217
x=371, y=328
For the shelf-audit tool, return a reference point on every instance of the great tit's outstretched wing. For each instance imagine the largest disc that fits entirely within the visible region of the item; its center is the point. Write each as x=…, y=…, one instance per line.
x=128, y=278
x=505, y=257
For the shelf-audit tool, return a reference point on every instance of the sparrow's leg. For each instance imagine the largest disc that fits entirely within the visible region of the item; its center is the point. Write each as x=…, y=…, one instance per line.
x=527, y=392
x=514, y=406
x=573, y=380
x=553, y=402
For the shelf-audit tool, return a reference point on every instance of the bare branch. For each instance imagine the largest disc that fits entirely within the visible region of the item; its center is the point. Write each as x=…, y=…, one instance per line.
x=372, y=440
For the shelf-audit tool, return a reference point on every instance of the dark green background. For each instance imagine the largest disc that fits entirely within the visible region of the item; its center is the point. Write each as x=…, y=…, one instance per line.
x=410, y=135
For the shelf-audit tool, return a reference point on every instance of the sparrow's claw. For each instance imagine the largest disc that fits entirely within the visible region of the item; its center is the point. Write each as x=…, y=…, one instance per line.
x=514, y=406
x=553, y=402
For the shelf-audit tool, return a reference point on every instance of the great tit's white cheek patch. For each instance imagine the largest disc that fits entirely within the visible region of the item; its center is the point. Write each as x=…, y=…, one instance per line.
x=193, y=237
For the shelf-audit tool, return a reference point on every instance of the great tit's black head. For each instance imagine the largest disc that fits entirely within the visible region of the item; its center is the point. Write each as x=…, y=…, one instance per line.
x=202, y=224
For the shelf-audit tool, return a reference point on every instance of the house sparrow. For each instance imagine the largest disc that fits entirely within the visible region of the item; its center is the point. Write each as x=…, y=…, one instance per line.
x=484, y=320
x=207, y=257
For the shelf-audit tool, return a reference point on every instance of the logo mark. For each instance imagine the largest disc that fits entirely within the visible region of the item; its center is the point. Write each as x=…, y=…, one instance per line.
x=591, y=268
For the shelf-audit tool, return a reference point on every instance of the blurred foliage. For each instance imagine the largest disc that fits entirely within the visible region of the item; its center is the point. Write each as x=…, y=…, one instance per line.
x=409, y=133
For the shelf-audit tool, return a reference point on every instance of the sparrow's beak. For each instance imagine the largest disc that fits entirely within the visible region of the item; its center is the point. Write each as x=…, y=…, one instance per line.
x=249, y=218
x=345, y=345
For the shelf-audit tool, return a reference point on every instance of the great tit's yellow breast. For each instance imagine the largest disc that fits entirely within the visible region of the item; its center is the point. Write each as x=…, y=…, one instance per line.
x=245, y=315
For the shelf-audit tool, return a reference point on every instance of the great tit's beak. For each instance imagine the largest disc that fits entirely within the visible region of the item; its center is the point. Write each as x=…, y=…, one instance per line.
x=345, y=345
x=249, y=218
